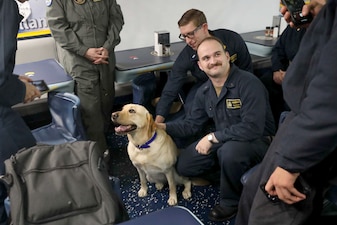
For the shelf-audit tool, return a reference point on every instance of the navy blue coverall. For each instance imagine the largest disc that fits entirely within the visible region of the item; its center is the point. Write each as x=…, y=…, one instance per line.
x=306, y=142
x=283, y=53
x=243, y=120
x=14, y=133
x=187, y=61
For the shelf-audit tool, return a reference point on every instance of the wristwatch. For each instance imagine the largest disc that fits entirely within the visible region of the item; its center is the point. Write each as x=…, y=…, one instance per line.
x=210, y=138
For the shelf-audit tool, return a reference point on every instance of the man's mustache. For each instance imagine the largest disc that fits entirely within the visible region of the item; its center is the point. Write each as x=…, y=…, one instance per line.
x=215, y=64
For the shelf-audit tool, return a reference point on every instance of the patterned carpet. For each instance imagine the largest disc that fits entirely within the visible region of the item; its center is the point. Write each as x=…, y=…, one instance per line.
x=202, y=201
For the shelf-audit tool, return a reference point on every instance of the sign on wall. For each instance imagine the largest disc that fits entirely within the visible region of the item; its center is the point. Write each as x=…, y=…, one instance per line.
x=34, y=22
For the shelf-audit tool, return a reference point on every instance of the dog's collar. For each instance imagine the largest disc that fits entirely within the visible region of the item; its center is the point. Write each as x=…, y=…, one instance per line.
x=147, y=144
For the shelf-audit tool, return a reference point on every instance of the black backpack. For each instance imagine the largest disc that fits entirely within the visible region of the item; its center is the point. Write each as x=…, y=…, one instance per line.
x=61, y=184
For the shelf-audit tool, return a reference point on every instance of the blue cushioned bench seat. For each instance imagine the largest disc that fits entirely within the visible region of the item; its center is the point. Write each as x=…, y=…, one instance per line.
x=176, y=215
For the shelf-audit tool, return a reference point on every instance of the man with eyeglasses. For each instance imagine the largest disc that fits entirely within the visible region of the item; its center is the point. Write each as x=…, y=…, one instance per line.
x=194, y=29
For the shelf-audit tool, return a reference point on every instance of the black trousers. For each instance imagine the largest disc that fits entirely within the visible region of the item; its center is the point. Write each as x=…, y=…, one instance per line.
x=233, y=157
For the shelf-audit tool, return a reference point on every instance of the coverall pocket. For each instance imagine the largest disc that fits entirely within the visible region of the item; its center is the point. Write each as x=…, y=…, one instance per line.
x=85, y=86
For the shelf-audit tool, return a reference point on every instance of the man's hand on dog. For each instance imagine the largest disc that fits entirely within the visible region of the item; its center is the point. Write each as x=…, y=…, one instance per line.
x=161, y=125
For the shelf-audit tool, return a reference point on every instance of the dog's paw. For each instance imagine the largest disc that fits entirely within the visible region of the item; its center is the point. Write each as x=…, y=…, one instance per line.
x=187, y=194
x=172, y=201
x=142, y=193
x=159, y=186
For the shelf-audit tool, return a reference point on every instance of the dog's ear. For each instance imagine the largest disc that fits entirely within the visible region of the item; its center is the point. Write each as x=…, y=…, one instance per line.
x=150, y=122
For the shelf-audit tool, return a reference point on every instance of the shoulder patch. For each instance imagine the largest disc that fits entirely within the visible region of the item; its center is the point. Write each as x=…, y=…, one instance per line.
x=49, y=2
x=234, y=57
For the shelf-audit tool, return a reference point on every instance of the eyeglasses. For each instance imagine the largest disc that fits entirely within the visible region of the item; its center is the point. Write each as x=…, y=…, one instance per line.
x=190, y=34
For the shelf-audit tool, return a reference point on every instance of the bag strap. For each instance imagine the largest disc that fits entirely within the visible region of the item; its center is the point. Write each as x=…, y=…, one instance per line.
x=7, y=180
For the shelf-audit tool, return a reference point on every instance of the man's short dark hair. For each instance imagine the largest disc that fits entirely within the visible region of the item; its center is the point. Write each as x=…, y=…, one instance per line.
x=193, y=15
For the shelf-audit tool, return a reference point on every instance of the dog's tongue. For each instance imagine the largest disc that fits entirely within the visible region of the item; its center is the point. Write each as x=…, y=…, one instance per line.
x=122, y=128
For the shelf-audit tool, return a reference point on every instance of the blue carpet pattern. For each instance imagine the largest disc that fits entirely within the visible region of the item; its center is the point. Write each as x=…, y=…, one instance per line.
x=202, y=201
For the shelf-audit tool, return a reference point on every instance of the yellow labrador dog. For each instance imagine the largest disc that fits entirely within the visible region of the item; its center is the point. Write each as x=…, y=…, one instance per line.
x=151, y=151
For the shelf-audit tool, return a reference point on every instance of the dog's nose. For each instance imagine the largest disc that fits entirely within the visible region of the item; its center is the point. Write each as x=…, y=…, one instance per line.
x=114, y=116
